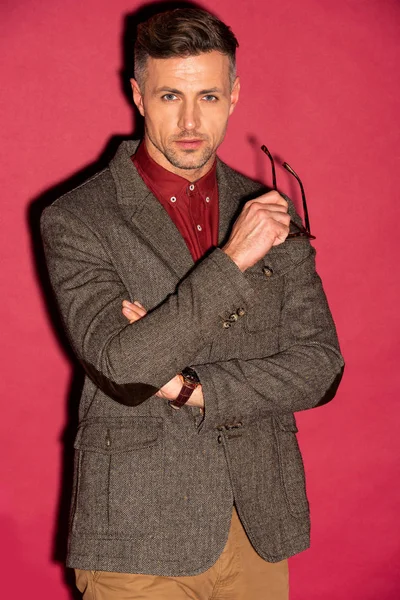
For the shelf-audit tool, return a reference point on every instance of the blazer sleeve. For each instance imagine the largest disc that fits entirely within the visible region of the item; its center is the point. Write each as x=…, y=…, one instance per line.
x=305, y=373
x=130, y=362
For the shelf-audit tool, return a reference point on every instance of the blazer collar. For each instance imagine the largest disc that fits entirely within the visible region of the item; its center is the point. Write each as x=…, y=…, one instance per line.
x=151, y=219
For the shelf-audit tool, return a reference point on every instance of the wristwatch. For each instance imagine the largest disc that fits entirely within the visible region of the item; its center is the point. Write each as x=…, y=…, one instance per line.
x=190, y=381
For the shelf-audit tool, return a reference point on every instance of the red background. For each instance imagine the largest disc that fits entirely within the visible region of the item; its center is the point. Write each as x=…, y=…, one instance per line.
x=320, y=86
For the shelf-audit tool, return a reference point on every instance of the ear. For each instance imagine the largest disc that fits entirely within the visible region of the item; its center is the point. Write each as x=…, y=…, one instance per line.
x=137, y=96
x=234, y=94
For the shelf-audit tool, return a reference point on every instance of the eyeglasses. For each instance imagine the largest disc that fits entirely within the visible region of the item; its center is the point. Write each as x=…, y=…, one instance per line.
x=300, y=231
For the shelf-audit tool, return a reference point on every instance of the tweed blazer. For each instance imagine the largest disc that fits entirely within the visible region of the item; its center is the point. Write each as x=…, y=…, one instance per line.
x=154, y=487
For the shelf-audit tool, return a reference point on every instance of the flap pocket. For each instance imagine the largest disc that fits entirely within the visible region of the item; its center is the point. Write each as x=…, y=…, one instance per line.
x=107, y=435
x=286, y=421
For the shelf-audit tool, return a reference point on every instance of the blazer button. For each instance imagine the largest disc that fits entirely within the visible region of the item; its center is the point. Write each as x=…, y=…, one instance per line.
x=268, y=271
x=234, y=317
x=240, y=312
x=226, y=324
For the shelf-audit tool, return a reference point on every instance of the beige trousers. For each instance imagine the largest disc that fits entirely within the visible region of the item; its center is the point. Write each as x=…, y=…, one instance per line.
x=239, y=574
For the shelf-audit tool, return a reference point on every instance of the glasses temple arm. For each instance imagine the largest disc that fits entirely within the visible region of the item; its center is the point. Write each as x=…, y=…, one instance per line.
x=267, y=152
x=303, y=195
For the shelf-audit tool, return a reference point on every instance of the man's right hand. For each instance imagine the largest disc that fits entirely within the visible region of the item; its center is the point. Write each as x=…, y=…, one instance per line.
x=263, y=223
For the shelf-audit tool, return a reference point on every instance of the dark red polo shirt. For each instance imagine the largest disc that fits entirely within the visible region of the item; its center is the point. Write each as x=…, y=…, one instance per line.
x=192, y=206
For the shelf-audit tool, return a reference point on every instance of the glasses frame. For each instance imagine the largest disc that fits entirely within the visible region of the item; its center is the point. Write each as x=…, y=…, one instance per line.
x=303, y=231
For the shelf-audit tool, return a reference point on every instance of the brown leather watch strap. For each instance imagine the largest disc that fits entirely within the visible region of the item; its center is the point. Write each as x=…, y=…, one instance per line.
x=187, y=390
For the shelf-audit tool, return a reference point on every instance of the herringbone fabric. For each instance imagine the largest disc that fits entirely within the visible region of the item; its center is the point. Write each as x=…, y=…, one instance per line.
x=154, y=487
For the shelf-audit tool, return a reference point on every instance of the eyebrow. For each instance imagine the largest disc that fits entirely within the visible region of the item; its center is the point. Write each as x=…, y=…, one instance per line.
x=174, y=91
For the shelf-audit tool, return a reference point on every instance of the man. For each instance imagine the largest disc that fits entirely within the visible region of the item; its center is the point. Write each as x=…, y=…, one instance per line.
x=201, y=328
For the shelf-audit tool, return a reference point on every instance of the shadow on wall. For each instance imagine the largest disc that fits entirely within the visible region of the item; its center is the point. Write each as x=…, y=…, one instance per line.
x=38, y=204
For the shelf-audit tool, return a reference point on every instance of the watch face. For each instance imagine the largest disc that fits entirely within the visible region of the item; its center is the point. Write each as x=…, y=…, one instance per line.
x=190, y=376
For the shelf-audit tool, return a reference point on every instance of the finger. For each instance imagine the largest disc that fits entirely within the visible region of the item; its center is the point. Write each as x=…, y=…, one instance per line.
x=133, y=314
x=271, y=198
x=259, y=208
x=281, y=217
x=137, y=303
x=130, y=315
x=267, y=218
x=135, y=306
x=132, y=304
x=281, y=234
x=256, y=206
x=273, y=208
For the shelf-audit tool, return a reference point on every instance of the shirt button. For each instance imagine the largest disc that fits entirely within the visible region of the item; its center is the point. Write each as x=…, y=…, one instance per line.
x=207, y=199
x=199, y=227
x=191, y=187
x=173, y=199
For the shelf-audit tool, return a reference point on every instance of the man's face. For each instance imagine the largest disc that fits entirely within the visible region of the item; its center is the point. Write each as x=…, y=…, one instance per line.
x=186, y=103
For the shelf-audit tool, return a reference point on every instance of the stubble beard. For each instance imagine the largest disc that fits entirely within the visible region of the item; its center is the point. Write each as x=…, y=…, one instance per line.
x=187, y=160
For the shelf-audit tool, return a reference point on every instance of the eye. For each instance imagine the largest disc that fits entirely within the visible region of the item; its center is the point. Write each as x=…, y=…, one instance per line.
x=210, y=98
x=168, y=97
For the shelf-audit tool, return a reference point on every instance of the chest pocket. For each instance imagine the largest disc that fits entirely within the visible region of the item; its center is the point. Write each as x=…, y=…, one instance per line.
x=267, y=278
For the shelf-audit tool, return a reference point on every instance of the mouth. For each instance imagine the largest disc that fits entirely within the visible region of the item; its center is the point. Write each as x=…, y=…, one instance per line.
x=189, y=144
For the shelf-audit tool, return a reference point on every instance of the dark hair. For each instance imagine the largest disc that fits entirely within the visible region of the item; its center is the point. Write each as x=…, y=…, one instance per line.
x=183, y=32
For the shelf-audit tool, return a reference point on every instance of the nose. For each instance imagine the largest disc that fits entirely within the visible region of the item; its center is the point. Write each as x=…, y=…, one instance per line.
x=189, y=117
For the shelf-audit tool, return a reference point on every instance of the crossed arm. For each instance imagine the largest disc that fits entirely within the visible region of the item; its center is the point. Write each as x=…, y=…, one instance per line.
x=134, y=311
x=130, y=363
x=289, y=380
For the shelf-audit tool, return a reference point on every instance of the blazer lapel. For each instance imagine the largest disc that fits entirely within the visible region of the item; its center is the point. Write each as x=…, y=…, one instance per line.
x=146, y=212
x=156, y=225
